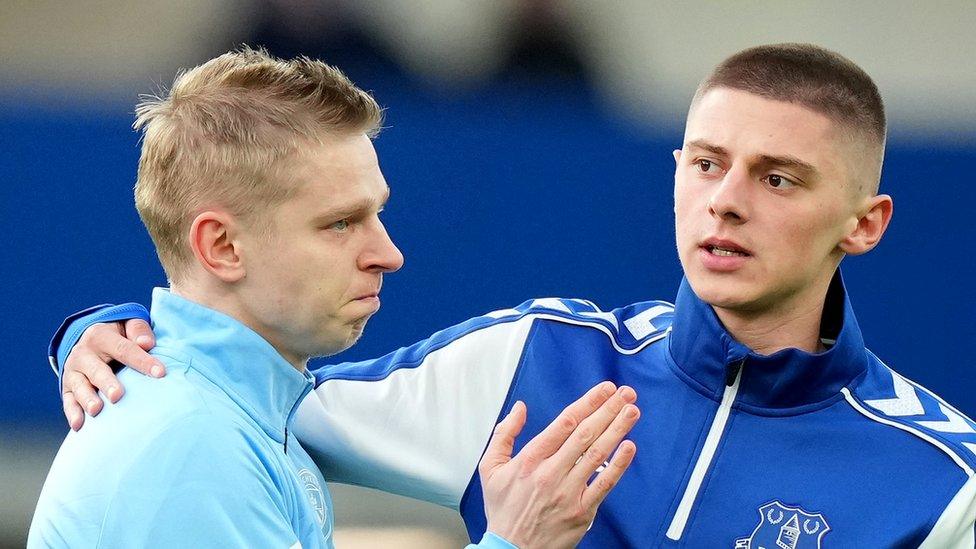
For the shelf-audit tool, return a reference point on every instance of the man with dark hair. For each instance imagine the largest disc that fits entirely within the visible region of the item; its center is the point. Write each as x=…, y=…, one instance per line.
x=770, y=424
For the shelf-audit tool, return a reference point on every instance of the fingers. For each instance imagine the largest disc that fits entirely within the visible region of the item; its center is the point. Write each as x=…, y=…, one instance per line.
x=138, y=331
x=546, y=443
x=591, y=428
x=95, y=373
x=78, y=386
x=597, y=491
x=87, y=368
x=502, y=443
x=72, y=411
x=108, y=344
x=594, y=457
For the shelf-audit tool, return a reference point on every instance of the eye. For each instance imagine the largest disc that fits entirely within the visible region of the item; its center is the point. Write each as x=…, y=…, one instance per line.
x=707, y=167
x=779, y=182
x=340, y=225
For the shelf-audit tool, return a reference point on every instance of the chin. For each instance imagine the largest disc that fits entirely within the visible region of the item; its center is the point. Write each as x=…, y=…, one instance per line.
x=726, y=292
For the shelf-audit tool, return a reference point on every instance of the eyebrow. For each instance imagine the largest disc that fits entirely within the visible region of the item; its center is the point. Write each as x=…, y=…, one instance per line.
x=354, y=208
x=783, y=161
x=705, y=145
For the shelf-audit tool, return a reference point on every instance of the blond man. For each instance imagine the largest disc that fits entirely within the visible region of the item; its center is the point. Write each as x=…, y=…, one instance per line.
x=260, y=188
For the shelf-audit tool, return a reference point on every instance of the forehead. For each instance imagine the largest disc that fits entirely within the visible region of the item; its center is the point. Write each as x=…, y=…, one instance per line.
x=337, y=169
x=746, y=124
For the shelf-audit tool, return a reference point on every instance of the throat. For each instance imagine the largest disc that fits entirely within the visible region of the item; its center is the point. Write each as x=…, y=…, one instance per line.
x=769, y=333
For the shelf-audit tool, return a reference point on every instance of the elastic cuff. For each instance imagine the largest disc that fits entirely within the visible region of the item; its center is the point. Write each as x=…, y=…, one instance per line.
x=75, y=325
x=494, y=541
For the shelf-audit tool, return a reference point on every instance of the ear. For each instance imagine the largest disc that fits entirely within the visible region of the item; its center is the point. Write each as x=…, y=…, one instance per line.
x=871, y=225
x=677, y=155
x=213, y=238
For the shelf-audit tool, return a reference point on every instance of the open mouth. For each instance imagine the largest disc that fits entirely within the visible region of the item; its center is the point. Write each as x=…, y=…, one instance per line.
x=723, y=251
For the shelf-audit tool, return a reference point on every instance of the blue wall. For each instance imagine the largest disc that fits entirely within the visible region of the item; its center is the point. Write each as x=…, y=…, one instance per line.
x=516, y=191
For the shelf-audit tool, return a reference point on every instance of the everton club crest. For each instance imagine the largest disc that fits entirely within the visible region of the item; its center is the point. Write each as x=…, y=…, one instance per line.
x=784, y=527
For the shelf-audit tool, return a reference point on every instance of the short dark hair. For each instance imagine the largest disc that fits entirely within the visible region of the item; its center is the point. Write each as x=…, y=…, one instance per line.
x=815, y=77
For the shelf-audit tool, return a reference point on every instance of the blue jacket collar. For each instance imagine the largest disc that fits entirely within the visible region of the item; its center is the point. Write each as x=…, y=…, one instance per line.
x=703, y=350
x=233, y=357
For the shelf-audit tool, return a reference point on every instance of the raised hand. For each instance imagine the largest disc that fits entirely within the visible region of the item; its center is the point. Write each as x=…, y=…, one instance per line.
x=544, y=496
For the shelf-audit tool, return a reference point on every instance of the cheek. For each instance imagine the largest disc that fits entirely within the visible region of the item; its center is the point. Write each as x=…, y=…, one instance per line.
x=685, y=207
x=808, y=238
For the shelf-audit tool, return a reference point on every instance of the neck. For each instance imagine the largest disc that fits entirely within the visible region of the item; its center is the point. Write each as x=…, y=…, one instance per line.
x=791, y=325
x=224, y=301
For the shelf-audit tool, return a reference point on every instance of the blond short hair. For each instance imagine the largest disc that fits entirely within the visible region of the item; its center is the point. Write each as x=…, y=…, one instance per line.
x=218, y=138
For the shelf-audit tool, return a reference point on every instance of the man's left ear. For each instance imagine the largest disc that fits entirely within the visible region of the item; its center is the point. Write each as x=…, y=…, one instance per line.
x=871, y=226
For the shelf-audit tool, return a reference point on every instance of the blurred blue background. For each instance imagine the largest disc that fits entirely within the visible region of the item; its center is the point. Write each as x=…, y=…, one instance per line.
x=527, y=145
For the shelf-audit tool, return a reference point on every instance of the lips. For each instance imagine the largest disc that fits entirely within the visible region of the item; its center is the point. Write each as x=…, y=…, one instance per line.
x=724, y=248
x=719, y=255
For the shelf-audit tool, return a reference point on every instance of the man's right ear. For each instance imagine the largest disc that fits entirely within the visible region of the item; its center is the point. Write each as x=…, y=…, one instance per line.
x=213, y=239
x=677, y=155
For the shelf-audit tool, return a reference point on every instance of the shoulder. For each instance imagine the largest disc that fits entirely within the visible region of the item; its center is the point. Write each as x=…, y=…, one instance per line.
x=199, y=461
x=627, y=329
x=166, y=427
x=204, y=481
x=887, y=397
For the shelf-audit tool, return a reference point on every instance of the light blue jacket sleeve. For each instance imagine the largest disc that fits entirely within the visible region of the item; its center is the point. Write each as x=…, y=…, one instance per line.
x=492, y=541
x=195, y=485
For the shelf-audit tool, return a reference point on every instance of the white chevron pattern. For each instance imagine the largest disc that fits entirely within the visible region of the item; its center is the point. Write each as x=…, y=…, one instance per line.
x=605, y=316
x=954, y=424
x=905, y=402
x=640, y=326
x=550, y=303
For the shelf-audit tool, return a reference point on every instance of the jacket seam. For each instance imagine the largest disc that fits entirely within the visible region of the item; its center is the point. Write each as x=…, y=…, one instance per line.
x=516, y=379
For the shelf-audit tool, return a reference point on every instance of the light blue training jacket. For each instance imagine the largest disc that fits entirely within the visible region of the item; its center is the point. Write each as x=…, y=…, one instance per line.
x=200, y=458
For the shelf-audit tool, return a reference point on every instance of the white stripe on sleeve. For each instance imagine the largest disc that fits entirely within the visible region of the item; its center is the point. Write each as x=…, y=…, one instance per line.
x=954, y=529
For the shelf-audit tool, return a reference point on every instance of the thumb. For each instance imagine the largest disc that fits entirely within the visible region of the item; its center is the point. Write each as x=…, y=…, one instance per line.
x=138, y=330
x=502, y=443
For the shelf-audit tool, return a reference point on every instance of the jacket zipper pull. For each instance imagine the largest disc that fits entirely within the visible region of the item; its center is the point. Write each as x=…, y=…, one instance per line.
x=732, y=371
x=286, y=439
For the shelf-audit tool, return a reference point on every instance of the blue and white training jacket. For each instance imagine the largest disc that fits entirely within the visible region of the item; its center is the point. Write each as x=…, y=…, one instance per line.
x=735, y=449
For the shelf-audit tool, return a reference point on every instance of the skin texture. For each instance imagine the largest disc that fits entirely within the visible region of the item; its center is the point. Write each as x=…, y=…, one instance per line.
x=789, y=187
x=540, y=498
x=307, y=275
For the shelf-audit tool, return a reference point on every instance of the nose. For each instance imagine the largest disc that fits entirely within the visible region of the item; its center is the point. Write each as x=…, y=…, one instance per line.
x=729, y=198
x=380, y=255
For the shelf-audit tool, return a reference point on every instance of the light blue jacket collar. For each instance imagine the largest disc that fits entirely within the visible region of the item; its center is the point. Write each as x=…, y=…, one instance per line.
x=232, y=356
